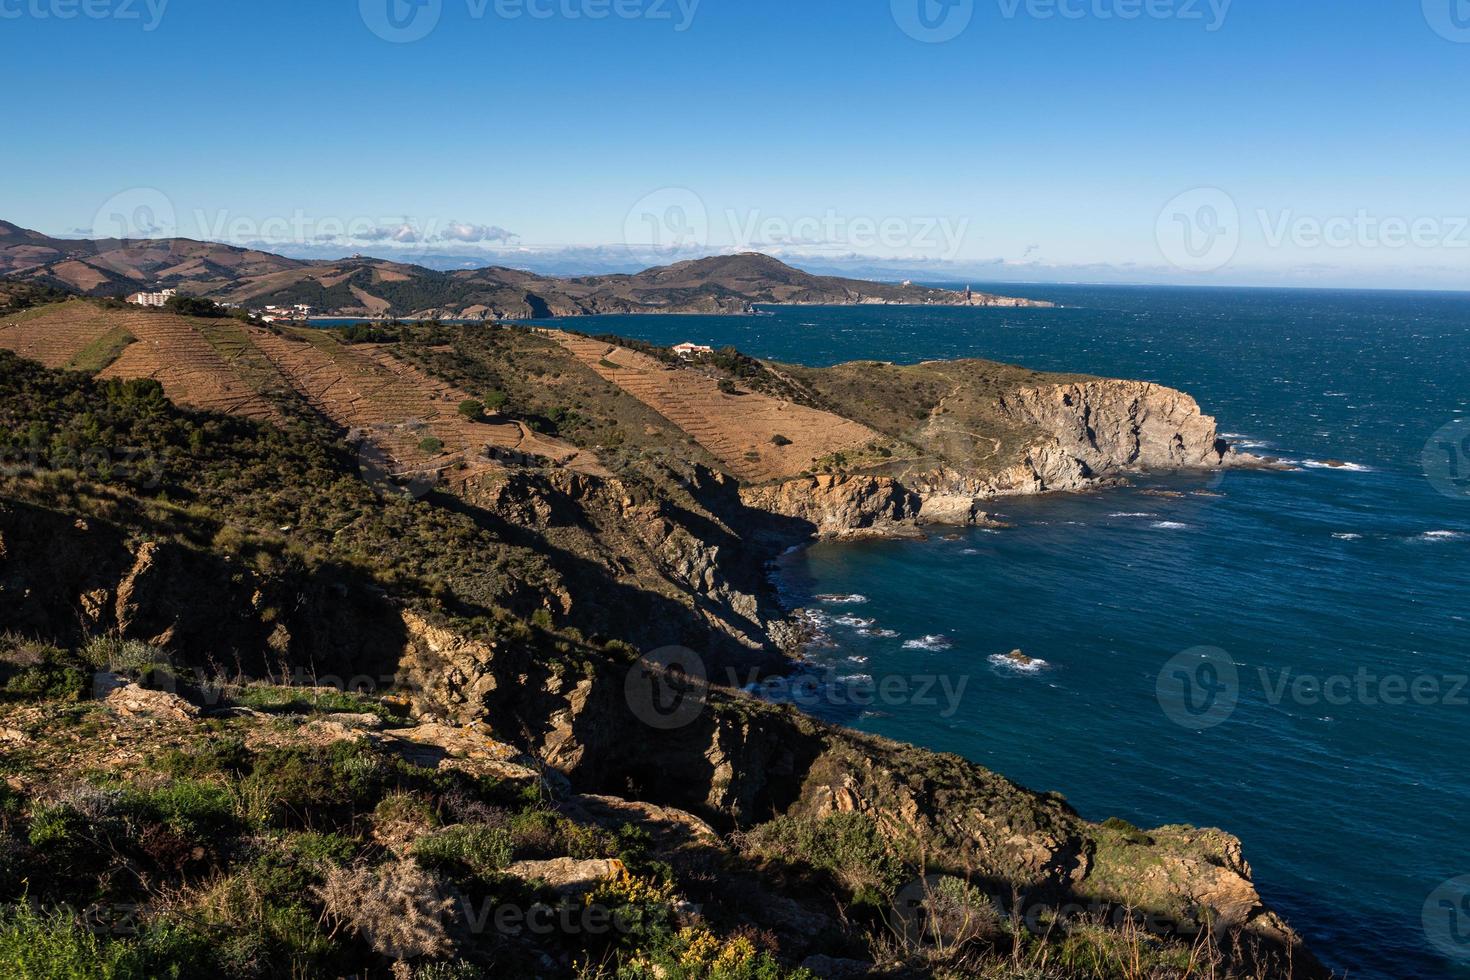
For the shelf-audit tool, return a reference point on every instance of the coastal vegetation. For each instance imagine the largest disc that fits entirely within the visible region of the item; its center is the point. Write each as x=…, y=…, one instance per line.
x=271, y=705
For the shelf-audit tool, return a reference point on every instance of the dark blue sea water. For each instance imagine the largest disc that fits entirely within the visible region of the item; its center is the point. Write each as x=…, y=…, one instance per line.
x=1353, y=811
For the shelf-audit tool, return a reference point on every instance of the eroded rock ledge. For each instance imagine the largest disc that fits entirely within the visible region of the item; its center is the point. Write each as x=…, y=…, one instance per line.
x=1084, y=435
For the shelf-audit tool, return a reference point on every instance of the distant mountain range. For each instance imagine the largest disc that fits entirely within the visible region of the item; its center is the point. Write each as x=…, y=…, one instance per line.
x=364, y=286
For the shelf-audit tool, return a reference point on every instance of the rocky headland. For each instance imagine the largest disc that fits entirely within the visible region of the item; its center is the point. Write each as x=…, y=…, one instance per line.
x=523, y=532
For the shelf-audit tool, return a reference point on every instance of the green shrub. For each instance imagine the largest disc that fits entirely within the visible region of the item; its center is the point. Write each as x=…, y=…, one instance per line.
x=1127, y=831
x=461, y=849
x=779, y=440
x=224, y=755
x=850, y=846
x=47, y=947
x=45, y=673
x=193, y=808
x=472, y=409
x=432, y=446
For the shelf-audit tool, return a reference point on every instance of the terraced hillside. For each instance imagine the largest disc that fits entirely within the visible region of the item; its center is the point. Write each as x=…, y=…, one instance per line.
x=229, y=366
x=757, y=437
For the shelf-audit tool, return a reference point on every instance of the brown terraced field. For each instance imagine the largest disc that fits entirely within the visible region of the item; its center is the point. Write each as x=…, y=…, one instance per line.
x=228, y=366
x=737, y=429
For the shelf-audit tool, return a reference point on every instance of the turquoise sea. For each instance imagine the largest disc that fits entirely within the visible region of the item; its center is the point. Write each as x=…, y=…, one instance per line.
x=1326, y=588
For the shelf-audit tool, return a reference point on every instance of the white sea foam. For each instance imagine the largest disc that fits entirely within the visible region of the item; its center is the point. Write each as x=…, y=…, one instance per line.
x=931, y=642
x=970, y=551
x=1133, y=514
x=854, y=621
x=1347, y=536
x=885, y=634
x=856, y=678
x=1441, y=535
x=1169, y=525
x=1005, y=662
x=1317, y=464
x=842, y=600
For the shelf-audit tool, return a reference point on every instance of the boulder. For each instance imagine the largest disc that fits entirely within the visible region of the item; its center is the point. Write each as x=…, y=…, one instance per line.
x=567, y=876
x=134, y=702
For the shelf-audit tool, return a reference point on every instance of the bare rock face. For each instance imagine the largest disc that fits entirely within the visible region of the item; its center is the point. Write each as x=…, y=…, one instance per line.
x=134, y=702
x=567, y=876
x=1121, y=425
x=840, y=506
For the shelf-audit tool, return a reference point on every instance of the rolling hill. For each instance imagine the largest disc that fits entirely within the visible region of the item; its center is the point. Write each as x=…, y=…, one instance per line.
x=364, y=286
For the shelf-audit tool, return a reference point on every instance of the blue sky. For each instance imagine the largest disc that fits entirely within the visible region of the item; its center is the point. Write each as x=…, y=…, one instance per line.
x=1307, y=142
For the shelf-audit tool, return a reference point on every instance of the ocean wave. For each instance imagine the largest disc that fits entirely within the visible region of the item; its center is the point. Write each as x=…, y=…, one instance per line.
x=848, y=620
x=857, y=660
x=1347, y=536
x=932, y=642
x=1317, y=464
x=885, y=634
x=1441, y=536
x=842, y=600
x=1005, y=661
x=1132, y=514
x=1169, y=525
x=856, y=679
x=970, y=551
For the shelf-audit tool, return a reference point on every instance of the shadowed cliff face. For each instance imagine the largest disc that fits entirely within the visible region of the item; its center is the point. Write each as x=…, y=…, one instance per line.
x=739, y=763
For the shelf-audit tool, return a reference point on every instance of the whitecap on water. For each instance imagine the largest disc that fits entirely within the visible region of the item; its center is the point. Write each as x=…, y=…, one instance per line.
x=842, y=600
x=1441, y=536
x=1133, y=514
x=885, y=634
x=1347, y=536
x=854, y=621
x=1317, y=464
x=931, y=642
x=1005, y=661
x=1169, y=525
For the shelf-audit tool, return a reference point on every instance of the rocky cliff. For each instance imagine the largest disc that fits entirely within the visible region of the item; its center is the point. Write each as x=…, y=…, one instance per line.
x=1068, y=436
